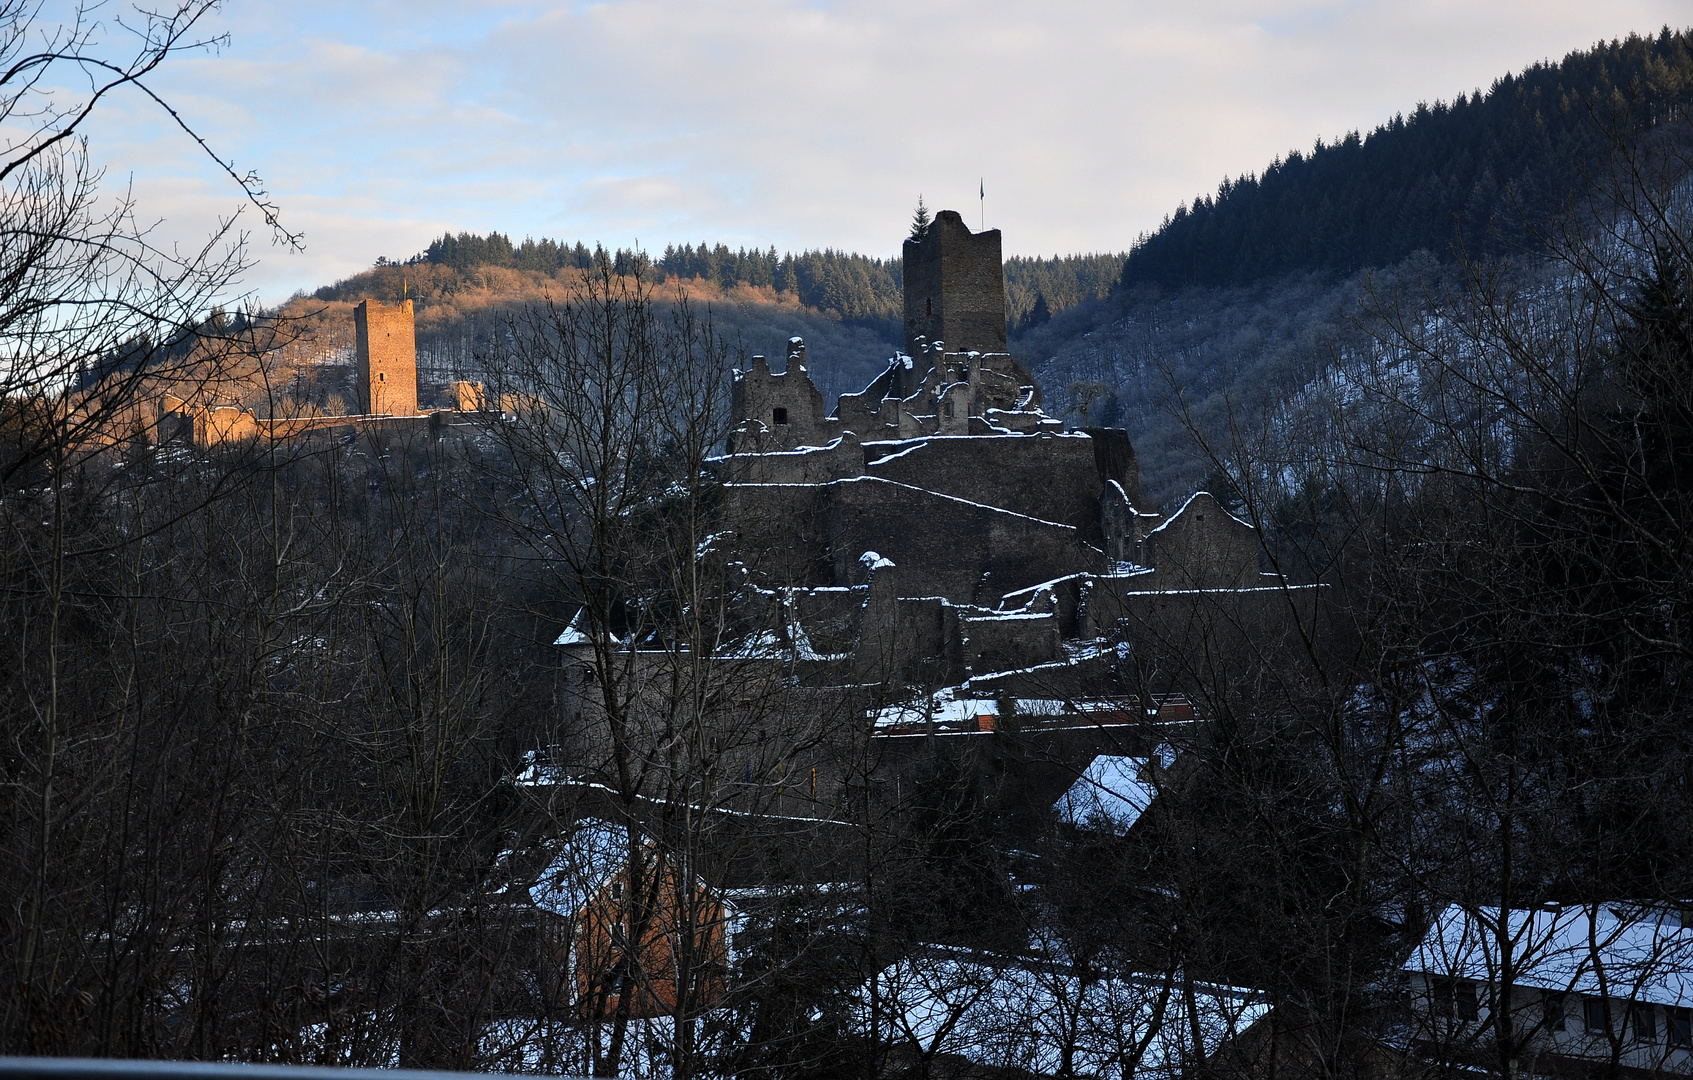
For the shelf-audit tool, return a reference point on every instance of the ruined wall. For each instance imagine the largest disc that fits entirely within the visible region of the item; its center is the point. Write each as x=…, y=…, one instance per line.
x=468, y=397
x=1201, y=546
x=780, y=532
x=947, y=547
x=902, y=640
x=1217, y=634
x=955, y=288
x=829, y=616
x=1048, y=476
x=386, y=365
x=779, y=411
x=1123, y=525
x=1114, y=455
x=225, y=424
x=1010, y=640
x=1062, y=596
x=840, y=459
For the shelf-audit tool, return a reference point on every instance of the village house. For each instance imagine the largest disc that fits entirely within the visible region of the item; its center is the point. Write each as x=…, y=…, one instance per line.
x=622, y=942
x=1591, y=987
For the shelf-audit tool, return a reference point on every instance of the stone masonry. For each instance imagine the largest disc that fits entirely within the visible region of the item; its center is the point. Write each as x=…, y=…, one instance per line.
x=954, y=288
x=386, y=359
x=938, y=526
x=385, y=384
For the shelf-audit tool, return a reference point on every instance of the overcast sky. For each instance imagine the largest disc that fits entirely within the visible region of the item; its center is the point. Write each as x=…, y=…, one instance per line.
x=797, y=124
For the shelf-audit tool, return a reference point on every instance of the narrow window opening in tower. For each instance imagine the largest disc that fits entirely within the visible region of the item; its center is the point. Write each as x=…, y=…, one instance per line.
x=929, y=308
x=381, y=376
x=780, y=416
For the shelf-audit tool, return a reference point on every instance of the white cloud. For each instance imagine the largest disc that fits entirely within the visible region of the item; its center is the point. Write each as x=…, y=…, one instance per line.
x=790, y=123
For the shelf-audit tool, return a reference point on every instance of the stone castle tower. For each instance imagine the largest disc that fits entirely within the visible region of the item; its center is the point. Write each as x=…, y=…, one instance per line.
x=955, y=288
x=387, y=358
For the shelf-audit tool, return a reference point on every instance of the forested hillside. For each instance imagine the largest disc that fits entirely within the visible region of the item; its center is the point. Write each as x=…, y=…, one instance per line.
x=1237, y=299
x=1475, y=172
x=839, y=284
x=1245, y=297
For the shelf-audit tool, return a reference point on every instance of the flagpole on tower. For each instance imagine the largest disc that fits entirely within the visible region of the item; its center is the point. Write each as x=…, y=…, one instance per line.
x=982, y=190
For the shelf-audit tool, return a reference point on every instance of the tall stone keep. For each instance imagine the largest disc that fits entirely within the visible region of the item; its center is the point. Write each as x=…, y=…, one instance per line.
x=955, y=288
x=387, y=358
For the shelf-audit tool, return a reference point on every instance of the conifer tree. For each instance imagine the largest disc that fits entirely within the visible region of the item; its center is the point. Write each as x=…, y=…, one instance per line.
x=1038, y=314
x=920, y=221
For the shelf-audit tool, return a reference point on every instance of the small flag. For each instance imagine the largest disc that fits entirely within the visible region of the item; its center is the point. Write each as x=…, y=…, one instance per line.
x=984, y=182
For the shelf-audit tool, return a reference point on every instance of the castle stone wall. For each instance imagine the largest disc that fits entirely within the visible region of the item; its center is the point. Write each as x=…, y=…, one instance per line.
x=1202, y=546
x=1214, y=633
x=386, y=364
x=781, y=532
x=959, y=550
x=1048, y=476
x=955, y=288
x=1007, y=642
x=839, y=460
x=779, y=411
x=1114, y=455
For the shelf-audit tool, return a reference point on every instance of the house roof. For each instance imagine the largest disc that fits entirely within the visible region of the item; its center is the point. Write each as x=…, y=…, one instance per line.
x=1111, y=794
x=1018, y=1017
x=576, y=633
x=585, y=861
x=1620, y=949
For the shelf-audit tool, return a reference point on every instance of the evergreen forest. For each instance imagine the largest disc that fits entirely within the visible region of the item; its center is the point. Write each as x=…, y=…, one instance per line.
x=843, y=285
x=1475, y=174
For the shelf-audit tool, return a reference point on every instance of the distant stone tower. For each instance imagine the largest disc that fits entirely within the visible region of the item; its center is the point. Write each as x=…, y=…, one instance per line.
x=955, y=288
x=387, y=359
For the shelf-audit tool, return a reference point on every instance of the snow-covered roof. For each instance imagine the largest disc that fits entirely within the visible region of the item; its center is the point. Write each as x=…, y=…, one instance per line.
x=950, y=709
x=1172, y=518
x=764, y=645
x=947, y=711
x=769, y=645
x=576, y=632
x=585, y=861
x=1636, y=951
x=1111, y=794
x=1017, y=1018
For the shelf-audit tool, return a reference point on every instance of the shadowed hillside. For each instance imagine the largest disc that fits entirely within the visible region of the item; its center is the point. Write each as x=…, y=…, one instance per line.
x=1243, y=297
x=1474, y=173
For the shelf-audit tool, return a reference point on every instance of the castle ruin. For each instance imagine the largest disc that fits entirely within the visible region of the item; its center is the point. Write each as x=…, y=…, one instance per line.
x=938, y=528
x=954, y=287
x=937, y=549
x=955, y=377
x=385, y=390
x=386, y=358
